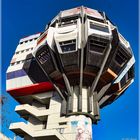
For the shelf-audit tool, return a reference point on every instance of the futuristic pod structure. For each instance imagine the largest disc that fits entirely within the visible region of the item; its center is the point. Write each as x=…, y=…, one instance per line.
x=63, y=76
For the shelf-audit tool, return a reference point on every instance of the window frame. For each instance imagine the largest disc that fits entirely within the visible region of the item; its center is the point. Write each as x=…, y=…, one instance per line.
x=60, y=49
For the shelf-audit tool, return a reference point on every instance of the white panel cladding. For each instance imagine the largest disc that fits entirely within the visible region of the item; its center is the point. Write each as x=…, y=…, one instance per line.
x=3, y=137
x=50, y=37
x=21, y=53
x=18, y=82
x=66, y=29
x=22, y=56
x=15, y=67
x=70, y=12
x=90, y=31
x=30, y=37
x=93, y=13
x=68, y=33
x=26, y=45
x=65, y=37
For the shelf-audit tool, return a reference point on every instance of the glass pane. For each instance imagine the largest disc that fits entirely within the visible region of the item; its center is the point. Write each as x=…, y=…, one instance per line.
x=100, y=28
x=68, y=46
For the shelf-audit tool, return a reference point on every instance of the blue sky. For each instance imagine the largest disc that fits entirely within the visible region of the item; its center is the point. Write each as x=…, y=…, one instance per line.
x=119, y=121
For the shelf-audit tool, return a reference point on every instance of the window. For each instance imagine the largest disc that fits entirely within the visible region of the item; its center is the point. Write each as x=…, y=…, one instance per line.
x=95, y=19
x=23, y=61
x=68, y=46
x=60, y=130
x=27, y=50
x=30, y=40
x=123, y=81
x=98, y=45
x=26, y=41
x=17, y=52
x=22, y=51
x=68, y=21
x=18, y=62
x=62, y=123
x=99, y=27
x=21, y=43
x=131, y=73
x=120, y=58
x=43, y=56
x=12, y=64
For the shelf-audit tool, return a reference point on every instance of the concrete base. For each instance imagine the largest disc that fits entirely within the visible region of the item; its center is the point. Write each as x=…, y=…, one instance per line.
x=79, y=128
x=45, y=122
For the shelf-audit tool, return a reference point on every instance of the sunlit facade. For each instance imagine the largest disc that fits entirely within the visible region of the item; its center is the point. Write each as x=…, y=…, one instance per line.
x=63, y=76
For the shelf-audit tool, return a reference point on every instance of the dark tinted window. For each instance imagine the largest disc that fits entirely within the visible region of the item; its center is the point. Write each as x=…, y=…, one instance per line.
x=96, y=19
x=68, y=21
x=131, y=73
x=123, y=81
x=68, y=46
x=98, y=45
x=100, y=28
x=120, y=58
x=21, y=43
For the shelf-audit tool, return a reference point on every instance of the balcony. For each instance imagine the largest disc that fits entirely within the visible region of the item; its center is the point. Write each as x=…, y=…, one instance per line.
x=25, y=110
x=23, y=129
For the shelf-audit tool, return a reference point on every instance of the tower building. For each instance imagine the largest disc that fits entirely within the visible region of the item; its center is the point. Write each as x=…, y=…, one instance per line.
x=63, y=76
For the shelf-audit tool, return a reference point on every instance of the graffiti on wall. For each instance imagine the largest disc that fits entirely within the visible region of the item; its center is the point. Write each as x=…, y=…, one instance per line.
x=83, y=128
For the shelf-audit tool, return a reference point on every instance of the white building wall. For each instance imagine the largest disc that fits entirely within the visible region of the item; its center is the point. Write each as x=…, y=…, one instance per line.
x=3, y=137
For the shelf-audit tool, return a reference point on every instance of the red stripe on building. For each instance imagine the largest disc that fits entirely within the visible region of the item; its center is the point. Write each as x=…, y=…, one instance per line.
x=31, y=89
x=39, y=41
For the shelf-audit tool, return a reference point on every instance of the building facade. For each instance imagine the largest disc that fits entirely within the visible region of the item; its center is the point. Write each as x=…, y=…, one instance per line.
x=63, y=76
